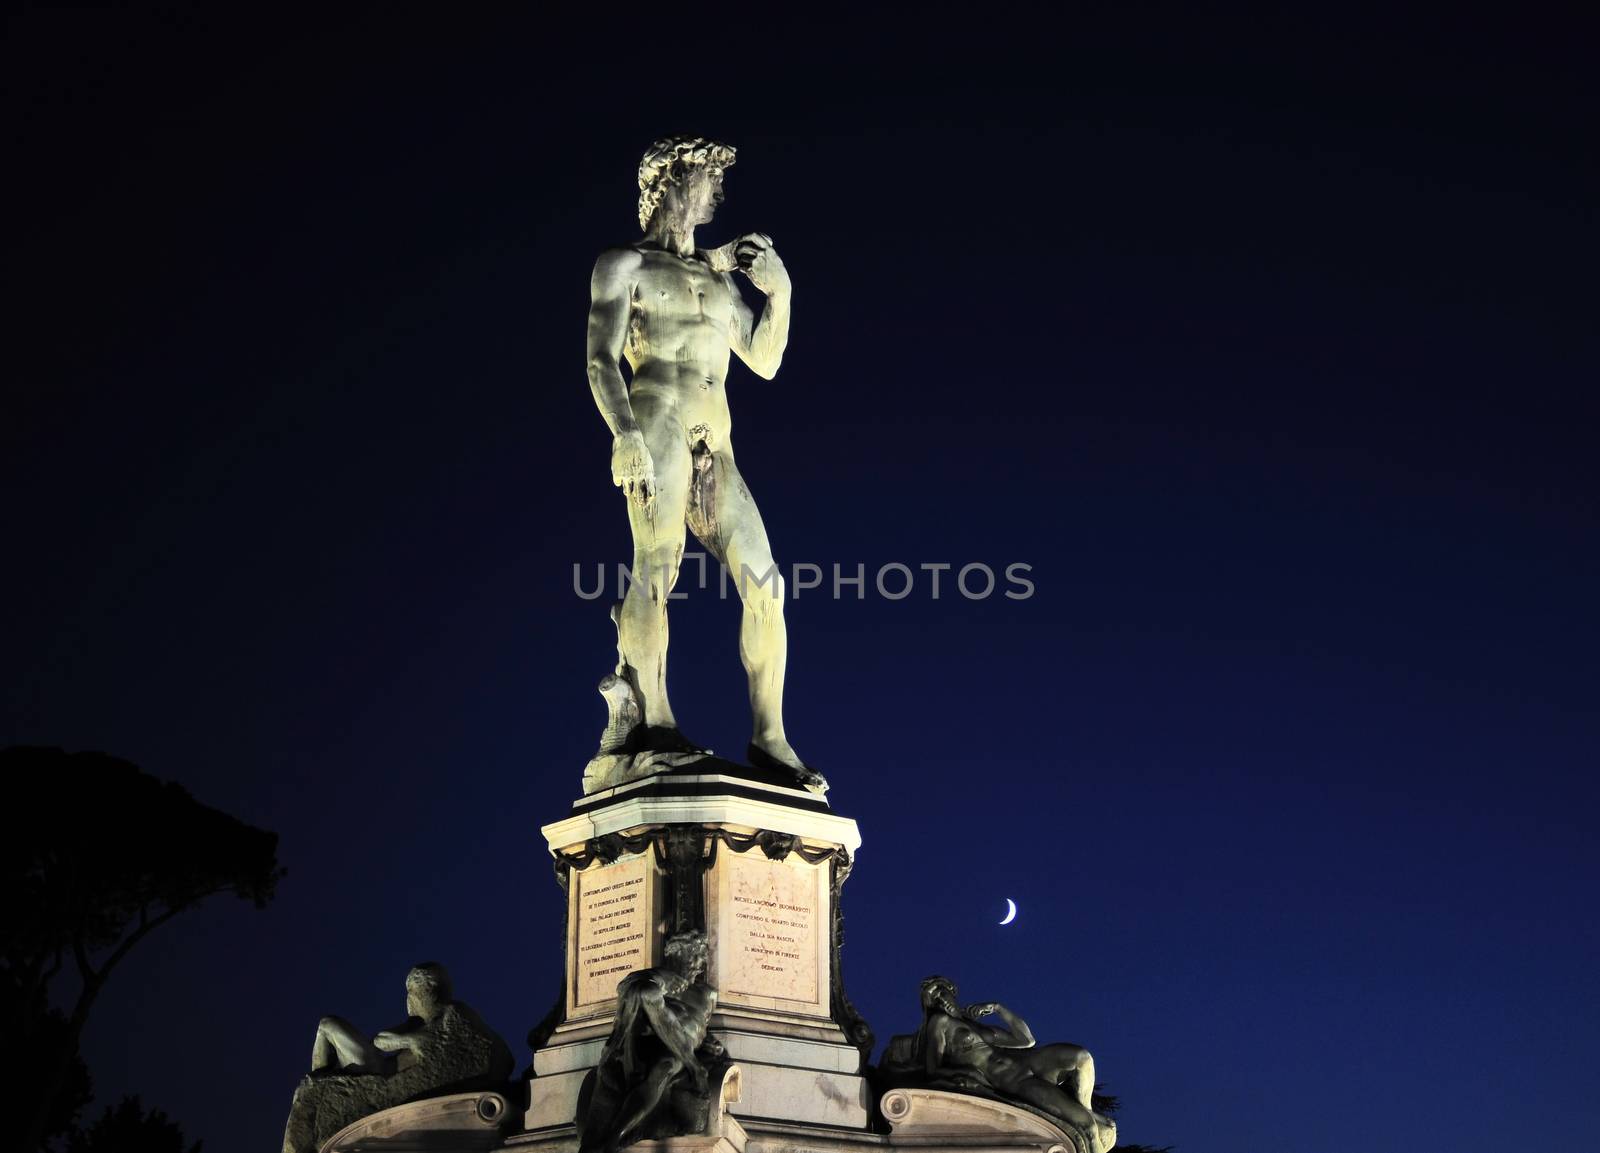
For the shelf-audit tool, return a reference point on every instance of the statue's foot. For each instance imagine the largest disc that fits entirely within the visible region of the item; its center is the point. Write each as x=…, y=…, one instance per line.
x=661, y=739
x=784, y=759
x=648, y=751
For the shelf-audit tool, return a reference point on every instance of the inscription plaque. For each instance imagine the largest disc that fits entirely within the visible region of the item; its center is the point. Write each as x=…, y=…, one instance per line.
x=612, y=929
x=769, y=940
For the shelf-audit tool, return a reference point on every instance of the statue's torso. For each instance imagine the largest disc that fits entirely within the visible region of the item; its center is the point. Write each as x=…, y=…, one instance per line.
x=966, y=1046
x=699, y=1001
x=677, y=344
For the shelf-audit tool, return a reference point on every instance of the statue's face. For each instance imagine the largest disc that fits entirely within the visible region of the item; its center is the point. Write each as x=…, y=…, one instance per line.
x=701, y=193
x=419, y=1000
x=941, y=996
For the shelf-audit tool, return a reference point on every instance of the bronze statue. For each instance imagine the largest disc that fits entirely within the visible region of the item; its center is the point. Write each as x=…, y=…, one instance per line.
x=674, y=313
x=342, y=1048
x=956, y=1050
x=652, y=1079
x=442, y=1047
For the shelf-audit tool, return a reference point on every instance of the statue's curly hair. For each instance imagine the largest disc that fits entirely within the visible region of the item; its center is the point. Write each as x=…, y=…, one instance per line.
x=434, y=977
x=687, y=947
x=668, y=160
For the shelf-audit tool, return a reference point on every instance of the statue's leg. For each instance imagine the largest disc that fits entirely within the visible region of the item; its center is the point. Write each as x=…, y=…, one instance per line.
x=1053, y=1100
x=1086, y=1080
x=1069, y=1066
x=642, y=1101
x=340, y=1045
x=658, y=535
x=323, y=1052
x=740, y=542
x=620, y=1043
x=1057, y=1099
x=635, y=991
x=672, y=1032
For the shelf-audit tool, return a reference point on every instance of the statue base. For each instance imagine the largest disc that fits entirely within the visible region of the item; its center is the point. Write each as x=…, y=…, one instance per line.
x=924, y=1120
x=935, y=1117
x=464, y=1122
x=756, y=863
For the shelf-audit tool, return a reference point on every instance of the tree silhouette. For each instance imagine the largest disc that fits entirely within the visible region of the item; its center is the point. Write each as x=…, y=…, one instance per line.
x=24, y=1075
x=101, y=855
x=127, y=1128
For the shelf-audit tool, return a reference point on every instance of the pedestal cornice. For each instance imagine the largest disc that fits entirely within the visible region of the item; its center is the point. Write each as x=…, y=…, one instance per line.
x=702, y=799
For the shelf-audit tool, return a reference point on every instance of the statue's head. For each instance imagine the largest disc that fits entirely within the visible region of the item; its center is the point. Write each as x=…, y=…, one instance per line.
x=427, y=990
x=688, y=953
x=939, y=995
x=683, y=174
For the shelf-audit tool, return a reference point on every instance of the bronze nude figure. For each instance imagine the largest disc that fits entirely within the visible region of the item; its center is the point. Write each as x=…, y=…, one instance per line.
x=674, y=314
x=957, y=1050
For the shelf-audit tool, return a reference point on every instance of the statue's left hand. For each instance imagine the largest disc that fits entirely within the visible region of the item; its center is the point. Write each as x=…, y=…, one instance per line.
x=391, y=1042
x=761, y=263
x=981, y=1009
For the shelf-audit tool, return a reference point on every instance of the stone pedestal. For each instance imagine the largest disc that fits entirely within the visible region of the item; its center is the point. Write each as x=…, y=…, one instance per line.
x=461, y=1123
x=755, y=863
x=936, y=1119
x=758, y=866
x=740, y=869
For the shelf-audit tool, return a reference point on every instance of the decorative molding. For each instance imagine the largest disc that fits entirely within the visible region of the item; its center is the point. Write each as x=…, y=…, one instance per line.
x=844, y=1013
x=776, y=846
x=682, y=851
x=472, y=1121
x=931, y=1114
x=607, y=849
x=720, y=809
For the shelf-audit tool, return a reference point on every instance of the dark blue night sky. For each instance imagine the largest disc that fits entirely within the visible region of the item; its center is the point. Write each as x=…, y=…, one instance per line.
x=1270, y=345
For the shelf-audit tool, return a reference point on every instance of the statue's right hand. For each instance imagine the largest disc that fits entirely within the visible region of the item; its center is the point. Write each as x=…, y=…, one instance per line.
x=632, y=469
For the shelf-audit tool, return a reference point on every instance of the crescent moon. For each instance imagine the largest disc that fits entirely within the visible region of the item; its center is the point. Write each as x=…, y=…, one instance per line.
x=1011, y=911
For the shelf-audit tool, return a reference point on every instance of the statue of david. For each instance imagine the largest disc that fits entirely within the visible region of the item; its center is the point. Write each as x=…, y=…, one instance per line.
x=674, y=313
